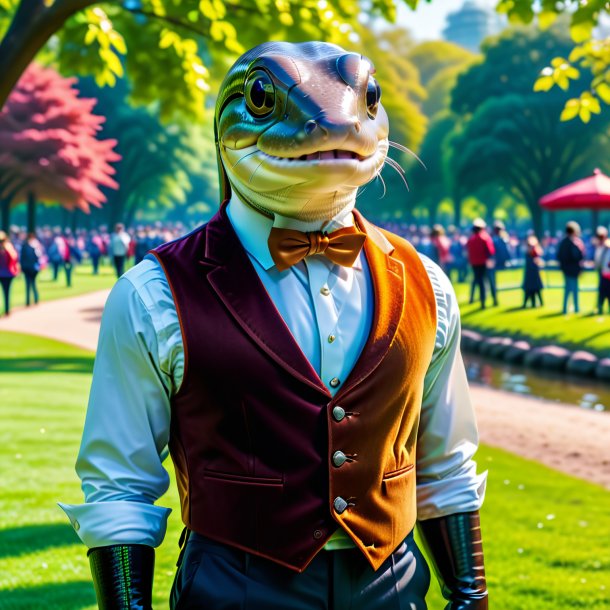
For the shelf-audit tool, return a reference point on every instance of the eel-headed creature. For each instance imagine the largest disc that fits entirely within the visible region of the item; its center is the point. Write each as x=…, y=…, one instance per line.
x=299, y=127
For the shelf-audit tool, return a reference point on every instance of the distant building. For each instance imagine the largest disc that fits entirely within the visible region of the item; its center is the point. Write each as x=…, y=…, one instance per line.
x=472, y=23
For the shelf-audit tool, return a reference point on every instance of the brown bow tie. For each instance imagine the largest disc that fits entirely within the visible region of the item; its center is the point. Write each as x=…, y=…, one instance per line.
x=288, y=246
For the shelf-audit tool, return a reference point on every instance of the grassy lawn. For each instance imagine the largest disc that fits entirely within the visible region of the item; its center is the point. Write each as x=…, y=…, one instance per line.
x=83, y=281
x=546, y=534
x=585, y=330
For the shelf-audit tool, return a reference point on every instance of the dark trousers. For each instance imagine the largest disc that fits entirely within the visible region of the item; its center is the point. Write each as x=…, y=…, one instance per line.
x=30, y=286
x=213, y=576
x=95, y=263
x=5, y=282
x=479, y=274
x=119, y=265
x=68, y=270
x=603, y=294
x=532, y=295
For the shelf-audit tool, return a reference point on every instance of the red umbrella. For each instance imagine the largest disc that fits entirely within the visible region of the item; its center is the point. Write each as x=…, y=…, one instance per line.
x=592, y=193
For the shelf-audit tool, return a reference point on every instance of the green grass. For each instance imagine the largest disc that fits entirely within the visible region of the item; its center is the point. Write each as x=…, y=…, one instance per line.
x=546, y=534
x=83, y=281
x=585, y=330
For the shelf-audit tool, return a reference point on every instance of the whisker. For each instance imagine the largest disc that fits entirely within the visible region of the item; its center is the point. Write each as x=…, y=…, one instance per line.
x=394, y=165
x=254, y=172
x=244, y=157
x=406, y=150
x=384, y=187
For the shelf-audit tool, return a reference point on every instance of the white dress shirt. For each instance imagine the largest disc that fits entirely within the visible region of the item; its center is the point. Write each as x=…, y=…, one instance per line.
x=328, y=308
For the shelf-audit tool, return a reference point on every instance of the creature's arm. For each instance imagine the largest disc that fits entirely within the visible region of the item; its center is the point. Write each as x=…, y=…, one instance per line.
x=124, y=440
x=449, y=491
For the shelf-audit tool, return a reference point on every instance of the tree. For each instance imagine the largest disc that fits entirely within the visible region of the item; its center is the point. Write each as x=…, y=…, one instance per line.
x=512, y=136
x=167, y=46
x=588, y=53
x=48, y=146
x=430, y=183
x=155, y=169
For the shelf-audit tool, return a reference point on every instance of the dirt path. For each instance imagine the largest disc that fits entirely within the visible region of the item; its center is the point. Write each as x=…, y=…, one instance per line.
x=563, y=437
x=75, y=320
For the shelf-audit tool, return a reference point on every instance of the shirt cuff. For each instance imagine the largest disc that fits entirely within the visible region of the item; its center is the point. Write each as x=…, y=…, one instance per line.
x=459, y=494
x=118, y=522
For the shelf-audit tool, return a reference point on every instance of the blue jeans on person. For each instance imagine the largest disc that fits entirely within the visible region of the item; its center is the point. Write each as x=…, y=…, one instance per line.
x=570, y=288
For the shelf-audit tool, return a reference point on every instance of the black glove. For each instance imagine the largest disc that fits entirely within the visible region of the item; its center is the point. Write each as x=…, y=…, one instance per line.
x=123, y=576
x=455, y=547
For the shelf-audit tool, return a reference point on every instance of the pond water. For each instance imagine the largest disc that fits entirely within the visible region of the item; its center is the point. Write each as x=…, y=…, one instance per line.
x=586, y=393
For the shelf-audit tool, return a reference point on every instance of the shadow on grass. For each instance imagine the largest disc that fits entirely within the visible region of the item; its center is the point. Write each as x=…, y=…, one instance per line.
x=68, y=364
x=65, y=595
x=32, y=538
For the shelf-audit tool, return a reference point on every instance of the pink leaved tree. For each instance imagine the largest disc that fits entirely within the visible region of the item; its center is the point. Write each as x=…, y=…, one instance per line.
x=48, y=146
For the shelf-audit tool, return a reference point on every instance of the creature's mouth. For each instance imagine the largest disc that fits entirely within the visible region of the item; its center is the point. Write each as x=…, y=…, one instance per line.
x=322, y=155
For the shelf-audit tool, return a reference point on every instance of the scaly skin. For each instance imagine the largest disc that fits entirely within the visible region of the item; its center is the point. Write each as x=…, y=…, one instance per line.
x=318, y=140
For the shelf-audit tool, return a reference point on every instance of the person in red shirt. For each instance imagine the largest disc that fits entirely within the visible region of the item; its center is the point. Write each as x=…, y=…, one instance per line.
x=481, y=250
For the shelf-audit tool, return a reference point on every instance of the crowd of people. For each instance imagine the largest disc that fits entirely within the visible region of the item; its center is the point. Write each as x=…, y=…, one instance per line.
x=475, y=254
x=60, y=250
x=479, y=253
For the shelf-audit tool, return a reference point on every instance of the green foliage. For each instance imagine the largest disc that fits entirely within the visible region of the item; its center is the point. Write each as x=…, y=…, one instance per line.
x=511, y=135
x=159, y=162
x=435, y=56
x=174, y=51
x=588, y=53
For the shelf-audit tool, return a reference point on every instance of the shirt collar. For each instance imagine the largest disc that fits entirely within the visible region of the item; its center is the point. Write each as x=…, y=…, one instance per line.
x=253, y=228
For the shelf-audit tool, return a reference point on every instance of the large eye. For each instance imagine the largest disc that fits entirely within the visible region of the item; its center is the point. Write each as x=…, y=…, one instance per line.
x=259, y=94
x=373, y=95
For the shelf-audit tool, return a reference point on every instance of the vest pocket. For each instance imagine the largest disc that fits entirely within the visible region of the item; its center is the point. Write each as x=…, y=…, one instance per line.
x=238, y=509
x=399, y=472
x=241, y=479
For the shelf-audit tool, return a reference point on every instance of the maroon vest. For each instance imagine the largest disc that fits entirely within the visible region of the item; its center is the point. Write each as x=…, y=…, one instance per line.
x=254, y=430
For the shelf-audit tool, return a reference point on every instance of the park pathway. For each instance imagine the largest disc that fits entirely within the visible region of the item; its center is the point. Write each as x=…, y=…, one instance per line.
x=563, y=437
x=75, y=320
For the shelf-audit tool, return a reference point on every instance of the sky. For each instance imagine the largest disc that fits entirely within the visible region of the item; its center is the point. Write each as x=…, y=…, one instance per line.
x=427, y=22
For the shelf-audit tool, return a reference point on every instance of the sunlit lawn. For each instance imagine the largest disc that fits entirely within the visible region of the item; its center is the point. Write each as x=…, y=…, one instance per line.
x=546, y=534
x=543, y=325
x=83, y=281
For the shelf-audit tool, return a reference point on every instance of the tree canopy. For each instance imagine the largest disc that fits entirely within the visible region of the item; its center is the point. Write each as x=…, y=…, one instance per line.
x=511, y=135
x=173, y=50
x=49, y=149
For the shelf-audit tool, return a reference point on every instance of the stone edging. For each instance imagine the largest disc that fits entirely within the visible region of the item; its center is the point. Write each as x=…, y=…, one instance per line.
x=548, y=357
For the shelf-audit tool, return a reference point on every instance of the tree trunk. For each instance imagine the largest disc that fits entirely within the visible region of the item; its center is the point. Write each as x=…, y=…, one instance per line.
x=33, y=24
x=31, y=213
x=536, y=213
x=457, y=211
x=5, y=206
x=65, y=216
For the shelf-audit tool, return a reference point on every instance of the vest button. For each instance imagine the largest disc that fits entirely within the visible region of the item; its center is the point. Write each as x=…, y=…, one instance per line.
x=334, y=382
x=338, y=413
x=317, y=534
x=325, y=290
x=339, y=458
x=331, y=338
x=340, y=504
